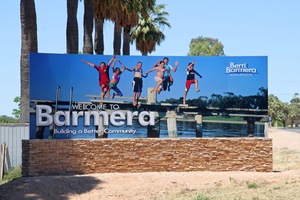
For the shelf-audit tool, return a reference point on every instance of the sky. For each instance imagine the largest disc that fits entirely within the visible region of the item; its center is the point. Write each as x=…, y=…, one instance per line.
x=252, y=28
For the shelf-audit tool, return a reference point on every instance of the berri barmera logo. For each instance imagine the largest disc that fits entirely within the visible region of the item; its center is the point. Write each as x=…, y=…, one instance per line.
x=243, y=69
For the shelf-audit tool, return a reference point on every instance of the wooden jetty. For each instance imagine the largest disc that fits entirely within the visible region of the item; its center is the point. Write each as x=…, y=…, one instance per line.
x=172, y=112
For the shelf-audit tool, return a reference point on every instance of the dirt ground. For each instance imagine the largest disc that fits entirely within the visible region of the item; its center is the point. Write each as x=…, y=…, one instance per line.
x=283, y=183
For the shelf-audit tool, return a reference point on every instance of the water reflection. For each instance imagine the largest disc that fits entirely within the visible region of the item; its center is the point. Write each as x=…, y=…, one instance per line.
x=187, y=129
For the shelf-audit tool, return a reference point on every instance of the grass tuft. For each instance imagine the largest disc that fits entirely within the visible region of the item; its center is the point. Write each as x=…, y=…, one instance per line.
x=11, y=174
x=252, y=185
x=201, y=197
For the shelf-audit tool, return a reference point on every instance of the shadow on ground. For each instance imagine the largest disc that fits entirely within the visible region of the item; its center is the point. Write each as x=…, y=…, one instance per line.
x=48, y=187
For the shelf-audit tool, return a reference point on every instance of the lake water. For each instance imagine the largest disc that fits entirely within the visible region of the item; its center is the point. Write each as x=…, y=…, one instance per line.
x=187, y=129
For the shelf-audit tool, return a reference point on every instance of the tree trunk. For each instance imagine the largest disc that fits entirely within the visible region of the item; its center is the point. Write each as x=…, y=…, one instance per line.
x=72, y=27
x=88, y=27
x=126, y=40
x=28, y=44
x=99, y=38
x=117, y=39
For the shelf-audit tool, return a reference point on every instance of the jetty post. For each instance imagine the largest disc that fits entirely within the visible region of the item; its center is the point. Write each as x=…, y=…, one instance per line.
x=171, y=123
x=151, y=96
x=250, y=126
x=198, y=119
x=101, y=129
x=153, y=131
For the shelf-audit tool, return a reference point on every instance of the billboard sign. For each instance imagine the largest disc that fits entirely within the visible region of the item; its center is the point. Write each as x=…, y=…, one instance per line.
x=72, y=95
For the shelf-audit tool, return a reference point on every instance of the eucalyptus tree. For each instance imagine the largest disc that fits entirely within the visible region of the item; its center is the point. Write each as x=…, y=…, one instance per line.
x=29, y=44
x=277, y=109
x=72, y=27
x=147, y=34
x=294, y=109
x=215, y=100
x=204, y=46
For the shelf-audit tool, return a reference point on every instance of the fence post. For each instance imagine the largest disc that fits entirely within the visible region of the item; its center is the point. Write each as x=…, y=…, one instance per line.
x=2, y=159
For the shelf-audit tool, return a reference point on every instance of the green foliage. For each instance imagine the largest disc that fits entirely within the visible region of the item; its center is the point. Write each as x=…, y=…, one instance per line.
x=277, y=109
x=229, y=100
x=252, y=185
x=284, y=114
x=204, y=46
x=295, y=99
x=17, y=111
x=201, y=197
x=12, y=173
x=147, y=34
x=6, y=119
x=277, y=123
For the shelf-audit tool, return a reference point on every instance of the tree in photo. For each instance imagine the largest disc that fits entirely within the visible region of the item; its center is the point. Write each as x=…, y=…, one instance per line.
x=204, y=46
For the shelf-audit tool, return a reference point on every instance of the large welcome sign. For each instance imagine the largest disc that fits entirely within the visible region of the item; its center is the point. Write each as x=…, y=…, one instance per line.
x=71, y=96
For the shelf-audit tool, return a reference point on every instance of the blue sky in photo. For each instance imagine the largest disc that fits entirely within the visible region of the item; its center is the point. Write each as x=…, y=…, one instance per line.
x=48, y=71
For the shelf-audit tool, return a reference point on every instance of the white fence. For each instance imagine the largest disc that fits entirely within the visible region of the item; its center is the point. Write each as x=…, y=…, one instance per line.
x=12, y=135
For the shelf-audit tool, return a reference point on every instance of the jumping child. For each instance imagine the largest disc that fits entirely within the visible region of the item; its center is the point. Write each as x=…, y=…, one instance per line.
x=159, y=76
x=137, y=83
x=103, y=70
x=115, y=80
x=190, y=79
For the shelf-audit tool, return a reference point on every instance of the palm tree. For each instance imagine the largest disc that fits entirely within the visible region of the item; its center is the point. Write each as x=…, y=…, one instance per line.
x=101, y=12
x=99, y=37
x=126, y=40
x=147, y=33
x=88, y=23
x=117, y=39
x=130, y=18
x=124, y=14
x=118, y=12
x=72, y=27
x=29, y=44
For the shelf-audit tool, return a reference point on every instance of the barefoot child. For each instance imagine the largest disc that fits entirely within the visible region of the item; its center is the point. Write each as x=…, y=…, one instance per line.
x=190, y=79
x=103, y=75
x=115, y=80
x=160, y=69
x=137, y=83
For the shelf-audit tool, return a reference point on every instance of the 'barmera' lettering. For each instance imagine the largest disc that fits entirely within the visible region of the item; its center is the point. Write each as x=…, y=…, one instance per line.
x=117, y=118
x=240, y=70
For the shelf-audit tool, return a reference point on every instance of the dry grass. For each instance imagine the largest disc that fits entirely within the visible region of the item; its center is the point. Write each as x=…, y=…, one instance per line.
x=285, y=159
x=289, y=189
x=283, y=188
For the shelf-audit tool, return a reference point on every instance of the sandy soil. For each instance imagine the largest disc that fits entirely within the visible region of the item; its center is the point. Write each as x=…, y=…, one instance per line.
x=283, y=183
